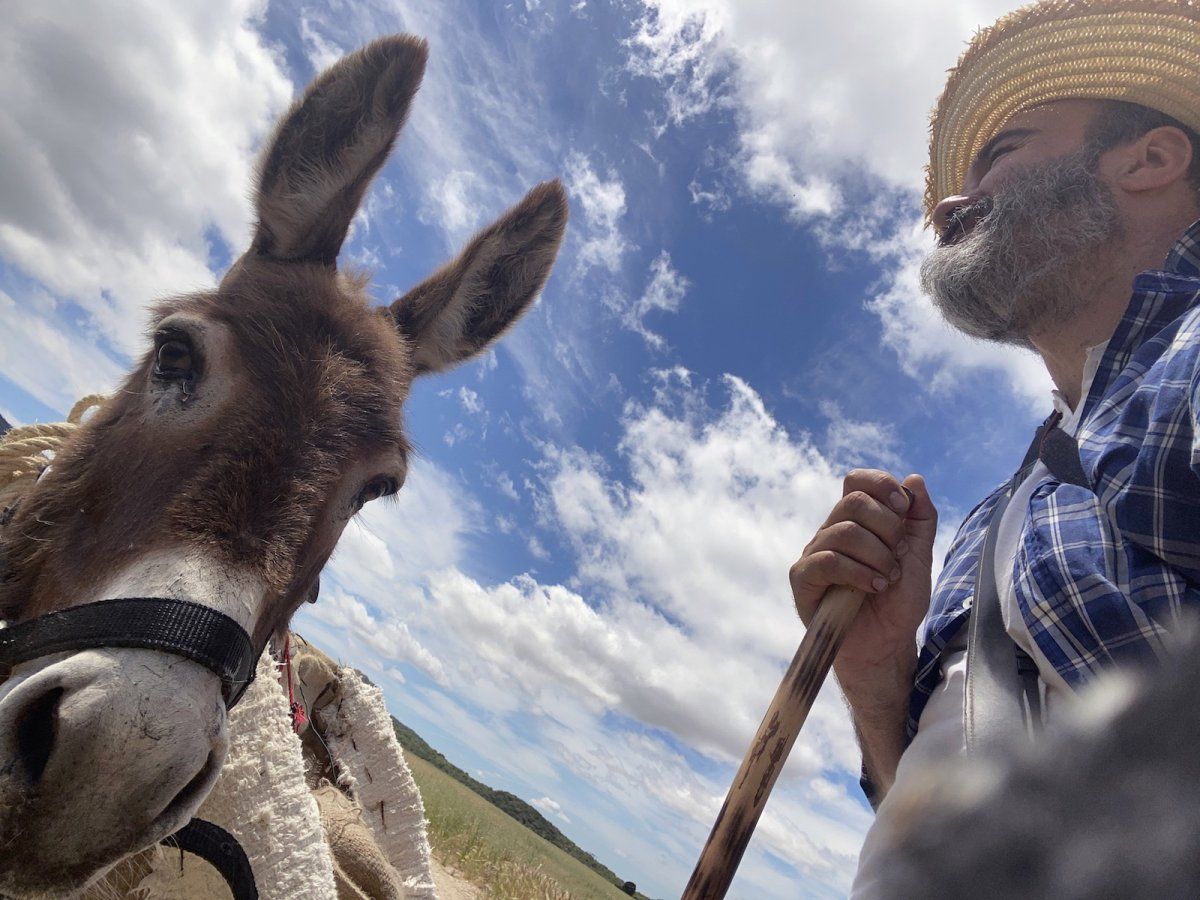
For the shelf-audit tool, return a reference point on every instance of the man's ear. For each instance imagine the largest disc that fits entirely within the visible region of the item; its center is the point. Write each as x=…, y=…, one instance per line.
x=329, y=146
x=1158, y=159
x=468, y=303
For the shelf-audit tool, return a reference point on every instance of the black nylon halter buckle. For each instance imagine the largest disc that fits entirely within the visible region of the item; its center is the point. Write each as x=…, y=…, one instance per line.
x=191, y=630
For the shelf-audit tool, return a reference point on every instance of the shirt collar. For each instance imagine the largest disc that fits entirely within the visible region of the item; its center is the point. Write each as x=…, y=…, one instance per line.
x=1091, y=365
x=1184, y=258
x=1160, y=296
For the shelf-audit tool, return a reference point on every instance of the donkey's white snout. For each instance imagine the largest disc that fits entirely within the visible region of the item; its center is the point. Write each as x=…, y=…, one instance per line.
x=135, y=738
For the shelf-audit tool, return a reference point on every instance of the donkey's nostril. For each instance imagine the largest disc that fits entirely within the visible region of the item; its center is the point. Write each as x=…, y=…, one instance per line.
x=34, y=731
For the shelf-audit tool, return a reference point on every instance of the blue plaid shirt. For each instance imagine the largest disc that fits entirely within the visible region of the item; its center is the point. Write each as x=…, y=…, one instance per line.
x=1102, y=573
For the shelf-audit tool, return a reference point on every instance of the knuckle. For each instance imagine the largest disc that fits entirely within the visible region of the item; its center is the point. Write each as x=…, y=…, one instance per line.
x=857, y=502
x=824, y=562
x=866, y=475
x=845, y=531
x=811, y=566
x=884, y=479
x=856, y=478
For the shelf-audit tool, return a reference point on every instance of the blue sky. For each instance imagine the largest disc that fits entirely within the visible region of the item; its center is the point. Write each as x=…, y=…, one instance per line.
x=581, y=594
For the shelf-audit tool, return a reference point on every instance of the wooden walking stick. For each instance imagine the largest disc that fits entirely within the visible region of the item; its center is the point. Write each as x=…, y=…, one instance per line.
x=780, y=726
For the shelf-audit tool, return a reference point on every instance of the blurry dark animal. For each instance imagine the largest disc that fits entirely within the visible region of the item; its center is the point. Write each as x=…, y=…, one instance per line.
x=1107, y=806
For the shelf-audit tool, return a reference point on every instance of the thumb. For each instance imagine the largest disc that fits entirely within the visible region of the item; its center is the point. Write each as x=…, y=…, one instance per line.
x=922, y=517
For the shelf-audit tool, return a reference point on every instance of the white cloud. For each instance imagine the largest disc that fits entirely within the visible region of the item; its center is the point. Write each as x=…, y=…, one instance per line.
x=396, y=542
x=542, y=650
x=820, y=91
x=850, y=442
x=822, y=95
x=452, y=202
x=667, y=642
x=371, y=593
x=550, y=807
x=387, y=637
x=602, y=201
x=321, y=52
x=685, y=51
x=457, y=433
x=506, y=486
x=470, y=400
x=714, y=512
x=714, y=198
x=42, y=358
x=113, y=199
x=664, y=293
x=487, y=363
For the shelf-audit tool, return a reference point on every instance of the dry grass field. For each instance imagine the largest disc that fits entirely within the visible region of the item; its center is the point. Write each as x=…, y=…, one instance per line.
x=506, y=860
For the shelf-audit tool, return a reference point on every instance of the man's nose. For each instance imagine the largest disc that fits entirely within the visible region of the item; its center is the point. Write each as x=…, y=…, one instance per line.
x=943, y=211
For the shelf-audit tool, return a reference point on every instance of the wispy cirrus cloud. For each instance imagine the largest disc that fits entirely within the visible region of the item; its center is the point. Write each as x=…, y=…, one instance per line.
x=664, y=293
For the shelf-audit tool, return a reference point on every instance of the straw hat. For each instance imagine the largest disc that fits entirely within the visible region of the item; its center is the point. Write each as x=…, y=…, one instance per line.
x=1145, y=52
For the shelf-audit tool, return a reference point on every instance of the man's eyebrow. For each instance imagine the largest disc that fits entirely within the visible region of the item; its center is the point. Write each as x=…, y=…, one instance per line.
x=1004, y=135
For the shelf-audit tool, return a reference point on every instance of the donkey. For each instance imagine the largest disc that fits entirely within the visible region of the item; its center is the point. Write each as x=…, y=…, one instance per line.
x=262, y=417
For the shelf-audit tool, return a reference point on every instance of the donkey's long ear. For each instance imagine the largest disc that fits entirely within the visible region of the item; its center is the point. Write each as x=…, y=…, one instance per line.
x=468, y=303
x=328, y=147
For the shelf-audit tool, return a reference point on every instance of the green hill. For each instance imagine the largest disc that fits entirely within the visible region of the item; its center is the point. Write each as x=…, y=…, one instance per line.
x=507, y=802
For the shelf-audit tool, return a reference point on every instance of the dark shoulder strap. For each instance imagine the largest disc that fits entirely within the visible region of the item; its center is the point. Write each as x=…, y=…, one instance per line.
x=992, y=701
x=1058, y=452
x=1003, y=696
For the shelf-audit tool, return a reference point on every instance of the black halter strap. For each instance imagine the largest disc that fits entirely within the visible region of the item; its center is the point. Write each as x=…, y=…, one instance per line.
x=181, y=627
x=220, y=849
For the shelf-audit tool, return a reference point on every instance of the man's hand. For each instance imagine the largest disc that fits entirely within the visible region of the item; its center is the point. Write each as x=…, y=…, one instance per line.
x=878, y=538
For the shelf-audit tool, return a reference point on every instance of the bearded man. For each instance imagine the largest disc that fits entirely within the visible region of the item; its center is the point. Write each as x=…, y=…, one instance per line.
x=1064, y=185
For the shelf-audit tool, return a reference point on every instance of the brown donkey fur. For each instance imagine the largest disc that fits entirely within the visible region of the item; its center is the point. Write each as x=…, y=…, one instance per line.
x=314, y=377
x=266, y=412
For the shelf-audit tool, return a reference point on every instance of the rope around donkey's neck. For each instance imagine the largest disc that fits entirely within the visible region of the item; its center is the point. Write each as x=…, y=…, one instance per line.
x=23, y=451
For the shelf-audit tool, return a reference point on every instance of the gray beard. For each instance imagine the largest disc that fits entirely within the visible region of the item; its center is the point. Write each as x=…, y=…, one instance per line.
x=1020, y=271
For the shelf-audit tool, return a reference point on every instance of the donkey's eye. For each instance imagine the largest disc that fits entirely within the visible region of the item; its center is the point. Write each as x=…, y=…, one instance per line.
x=174, y=360
x=380, y=486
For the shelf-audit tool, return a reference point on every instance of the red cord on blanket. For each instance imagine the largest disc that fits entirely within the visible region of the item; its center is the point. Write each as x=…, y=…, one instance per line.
x=299, y=716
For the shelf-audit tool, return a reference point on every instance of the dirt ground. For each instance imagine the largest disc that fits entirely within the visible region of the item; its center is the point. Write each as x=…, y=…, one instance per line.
x=451, y=887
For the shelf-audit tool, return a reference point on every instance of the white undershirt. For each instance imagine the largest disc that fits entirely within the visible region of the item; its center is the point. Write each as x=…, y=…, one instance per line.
x=940, y=733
